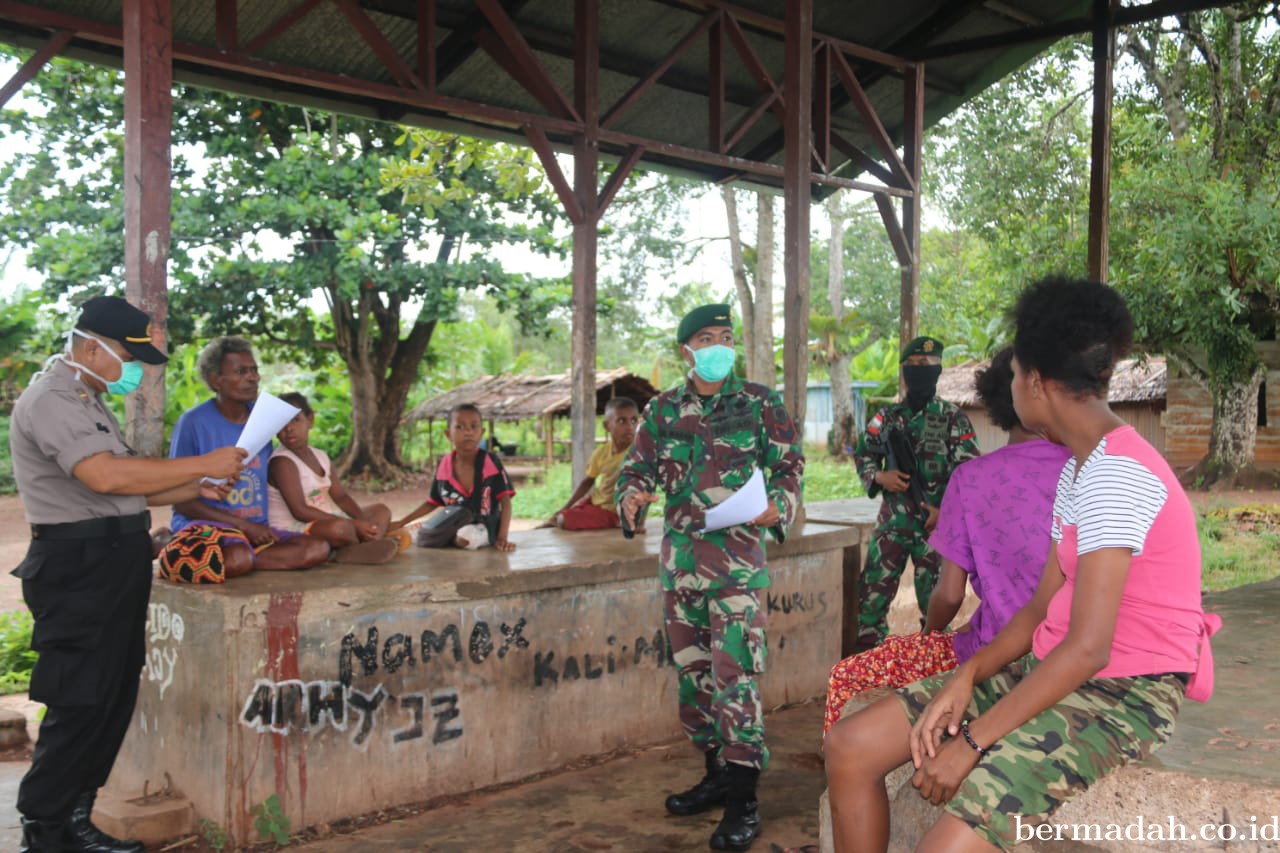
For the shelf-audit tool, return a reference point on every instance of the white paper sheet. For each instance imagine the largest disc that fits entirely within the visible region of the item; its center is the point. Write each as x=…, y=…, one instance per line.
x=741, y=506
x=268, y=417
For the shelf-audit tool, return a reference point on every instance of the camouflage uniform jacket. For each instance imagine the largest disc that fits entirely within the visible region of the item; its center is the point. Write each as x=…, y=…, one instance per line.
x=698, y=454
x=941, y=435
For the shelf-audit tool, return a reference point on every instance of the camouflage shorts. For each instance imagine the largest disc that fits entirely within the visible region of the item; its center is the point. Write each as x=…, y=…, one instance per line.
x=1029, y=773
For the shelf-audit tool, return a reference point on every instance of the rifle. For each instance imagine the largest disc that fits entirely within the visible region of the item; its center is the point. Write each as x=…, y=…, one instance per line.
x=899, y=455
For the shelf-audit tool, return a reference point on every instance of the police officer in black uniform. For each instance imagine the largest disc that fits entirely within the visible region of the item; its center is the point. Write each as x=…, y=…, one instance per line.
x=87, y=573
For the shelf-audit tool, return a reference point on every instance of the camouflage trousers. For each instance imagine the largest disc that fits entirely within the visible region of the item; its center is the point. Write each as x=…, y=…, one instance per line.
x=1030, y=772
x=716, y=637
x=897, y=537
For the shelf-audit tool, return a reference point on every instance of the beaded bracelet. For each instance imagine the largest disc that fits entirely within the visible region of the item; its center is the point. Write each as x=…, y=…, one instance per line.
x=968, y=738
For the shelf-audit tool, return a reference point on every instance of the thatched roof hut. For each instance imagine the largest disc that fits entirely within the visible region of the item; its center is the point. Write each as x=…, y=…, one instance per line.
x=1137, y=394
x=516, y=398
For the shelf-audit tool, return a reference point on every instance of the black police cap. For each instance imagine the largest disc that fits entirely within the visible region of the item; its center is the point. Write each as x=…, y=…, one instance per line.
x=112, y=317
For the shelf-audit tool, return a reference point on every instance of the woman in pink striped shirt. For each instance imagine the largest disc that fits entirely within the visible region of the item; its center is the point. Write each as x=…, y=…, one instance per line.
x=1090, y=674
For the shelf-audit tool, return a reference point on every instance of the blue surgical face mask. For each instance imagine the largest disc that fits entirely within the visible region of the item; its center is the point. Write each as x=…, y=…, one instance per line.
x=130, y=371
x=713, y=363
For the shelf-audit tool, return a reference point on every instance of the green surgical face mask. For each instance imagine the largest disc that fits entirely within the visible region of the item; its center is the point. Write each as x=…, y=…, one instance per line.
x=713, y=363
x=130, y=371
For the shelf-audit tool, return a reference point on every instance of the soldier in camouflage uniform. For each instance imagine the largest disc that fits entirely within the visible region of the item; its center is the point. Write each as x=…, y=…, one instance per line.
x=698, y=443
x=941, y=437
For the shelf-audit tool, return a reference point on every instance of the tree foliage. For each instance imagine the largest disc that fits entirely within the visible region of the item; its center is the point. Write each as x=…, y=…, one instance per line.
x=1198, y=217
x=278, y=210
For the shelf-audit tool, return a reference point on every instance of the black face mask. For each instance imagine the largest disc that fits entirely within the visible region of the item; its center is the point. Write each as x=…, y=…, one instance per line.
x=922, y=382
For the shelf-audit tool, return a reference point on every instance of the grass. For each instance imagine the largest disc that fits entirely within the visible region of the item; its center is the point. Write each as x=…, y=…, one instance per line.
x=543, y=493
x=16, y=657
x=7, y=484
x=1239, y=545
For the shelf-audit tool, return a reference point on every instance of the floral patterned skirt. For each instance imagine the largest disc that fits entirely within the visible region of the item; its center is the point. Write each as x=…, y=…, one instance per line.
x=897, y=662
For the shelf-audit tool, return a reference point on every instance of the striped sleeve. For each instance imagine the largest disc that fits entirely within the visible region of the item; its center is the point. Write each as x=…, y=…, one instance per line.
x=1062, y=500
x=1116, y=501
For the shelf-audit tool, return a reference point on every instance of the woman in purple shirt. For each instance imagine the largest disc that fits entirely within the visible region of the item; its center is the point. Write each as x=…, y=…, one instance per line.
x=993, y=531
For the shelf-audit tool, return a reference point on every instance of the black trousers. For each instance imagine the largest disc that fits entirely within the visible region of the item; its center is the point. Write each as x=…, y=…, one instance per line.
x=89, y=599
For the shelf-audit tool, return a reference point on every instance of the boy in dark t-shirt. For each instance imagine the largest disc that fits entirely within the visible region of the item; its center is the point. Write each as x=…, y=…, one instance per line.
x=455, y=483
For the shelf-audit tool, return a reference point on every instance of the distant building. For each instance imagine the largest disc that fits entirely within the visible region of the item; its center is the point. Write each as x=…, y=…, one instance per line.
x=818, y=417
x=1137, y=394
x=1189, y=416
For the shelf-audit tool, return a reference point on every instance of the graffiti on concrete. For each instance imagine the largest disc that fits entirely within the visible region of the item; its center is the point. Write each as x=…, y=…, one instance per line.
x=165, y=630
x=373, y=653
x=549, y=670
x=797, y=602
x=311, y=707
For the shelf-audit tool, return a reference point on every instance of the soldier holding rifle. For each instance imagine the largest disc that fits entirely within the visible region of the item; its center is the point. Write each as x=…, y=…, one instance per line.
x=908, y=452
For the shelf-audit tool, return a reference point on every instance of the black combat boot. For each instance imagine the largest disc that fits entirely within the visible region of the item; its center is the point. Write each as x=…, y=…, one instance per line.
x=706, y=794
x=84, y=837
x=41, y=837
x=741, y=823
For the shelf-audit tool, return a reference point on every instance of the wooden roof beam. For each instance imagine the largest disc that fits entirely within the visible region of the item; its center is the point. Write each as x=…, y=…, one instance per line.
x=1123, y=17
x=519, y=59
x=383, y=49
x=280, y=26
x=633, y=94
x=34, y=63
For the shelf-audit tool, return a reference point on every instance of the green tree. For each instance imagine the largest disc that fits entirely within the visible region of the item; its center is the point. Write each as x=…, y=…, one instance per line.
x=1194, y=198
x=1197, y=219
x=277, y=208
x=1010, y=170
x=860, y=306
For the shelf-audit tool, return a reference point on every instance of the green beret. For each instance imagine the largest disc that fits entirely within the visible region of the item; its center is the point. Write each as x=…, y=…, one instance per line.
x=700, y=318
x=923, y=345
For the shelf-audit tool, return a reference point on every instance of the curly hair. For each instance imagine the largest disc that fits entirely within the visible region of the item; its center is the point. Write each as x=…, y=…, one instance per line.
x=994, y=385
x=1072, y=331
x=216, y=352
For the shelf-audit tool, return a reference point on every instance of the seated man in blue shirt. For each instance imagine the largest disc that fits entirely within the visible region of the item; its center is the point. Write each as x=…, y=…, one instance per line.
x=228, y=366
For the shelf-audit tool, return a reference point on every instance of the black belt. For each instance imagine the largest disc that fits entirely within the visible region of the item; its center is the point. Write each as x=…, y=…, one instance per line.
x=94, y=528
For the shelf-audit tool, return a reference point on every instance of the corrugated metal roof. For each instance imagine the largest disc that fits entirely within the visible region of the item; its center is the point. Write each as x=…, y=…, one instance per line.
x=634, y=36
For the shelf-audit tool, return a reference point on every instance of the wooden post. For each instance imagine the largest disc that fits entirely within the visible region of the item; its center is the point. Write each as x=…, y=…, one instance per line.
x=912, y=139
x=798, y=93
x=549, y=438
x=1104, y=49
x=148, y=119
x=586, y=165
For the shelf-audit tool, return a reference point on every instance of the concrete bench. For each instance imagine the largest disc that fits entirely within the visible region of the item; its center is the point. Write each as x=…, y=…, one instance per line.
x=344, y=690
x=1222, y=765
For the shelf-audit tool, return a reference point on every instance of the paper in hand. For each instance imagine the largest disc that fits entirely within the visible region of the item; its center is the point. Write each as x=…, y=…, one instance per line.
x=742, y=506
x=267, y=417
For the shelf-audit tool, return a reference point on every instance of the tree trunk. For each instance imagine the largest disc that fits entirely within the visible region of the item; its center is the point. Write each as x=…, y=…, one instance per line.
x=840, y=442
x=374, y=449
x=761, y=352
x=755, y=303
x=746, y=301
x=382, y=368
x=1233, y=436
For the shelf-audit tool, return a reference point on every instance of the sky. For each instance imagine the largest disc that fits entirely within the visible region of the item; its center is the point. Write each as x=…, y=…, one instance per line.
x=704, y=219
